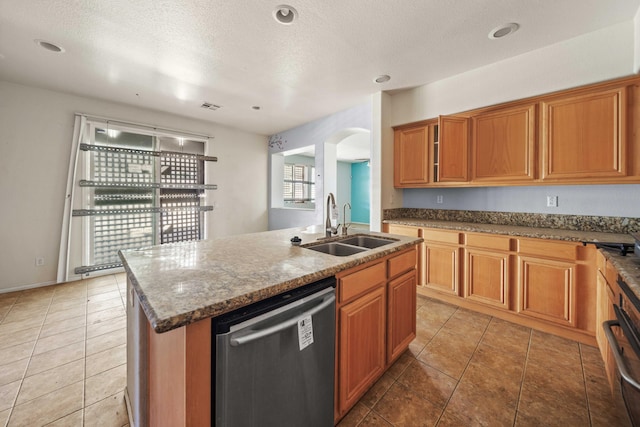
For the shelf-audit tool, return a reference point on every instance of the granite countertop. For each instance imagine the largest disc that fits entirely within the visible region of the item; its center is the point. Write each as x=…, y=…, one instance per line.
x=518, y=231
x=628, y=267
x=183, y=283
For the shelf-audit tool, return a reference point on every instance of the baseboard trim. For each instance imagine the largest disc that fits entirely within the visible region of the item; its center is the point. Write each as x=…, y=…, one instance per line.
x=25, y=287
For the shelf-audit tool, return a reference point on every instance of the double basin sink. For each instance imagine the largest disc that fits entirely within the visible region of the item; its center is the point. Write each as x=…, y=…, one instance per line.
x=350, y=245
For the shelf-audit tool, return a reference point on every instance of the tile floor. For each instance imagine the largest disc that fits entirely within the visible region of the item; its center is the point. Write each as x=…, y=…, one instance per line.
x=62, y=355
x=63, y=363
x=469, y=369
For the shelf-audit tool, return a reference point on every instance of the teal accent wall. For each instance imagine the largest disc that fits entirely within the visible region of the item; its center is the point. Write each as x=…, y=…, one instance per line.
x=360, y=192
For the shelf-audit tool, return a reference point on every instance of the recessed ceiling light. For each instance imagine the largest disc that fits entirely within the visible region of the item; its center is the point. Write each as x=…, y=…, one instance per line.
x=49, y=46
x=503, y=30
x=382, y=79
x=285, y=14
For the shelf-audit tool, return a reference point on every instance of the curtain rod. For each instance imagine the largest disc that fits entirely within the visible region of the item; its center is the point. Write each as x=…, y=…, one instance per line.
x=91, y=117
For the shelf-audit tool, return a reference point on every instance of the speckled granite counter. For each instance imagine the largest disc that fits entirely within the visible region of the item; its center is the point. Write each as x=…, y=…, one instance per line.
x=515, y=230
x=182, y=283
x=628, y=268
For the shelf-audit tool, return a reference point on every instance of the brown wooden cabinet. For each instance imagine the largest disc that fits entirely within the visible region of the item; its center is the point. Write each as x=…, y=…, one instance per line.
x=442, y=260
x=453, y=143
x=411, y=157
x=376, y=321
x=487, y=269
x=503, y=145
x=362, y=345
x=406, y=230
x=606, y=287
x=584, y=136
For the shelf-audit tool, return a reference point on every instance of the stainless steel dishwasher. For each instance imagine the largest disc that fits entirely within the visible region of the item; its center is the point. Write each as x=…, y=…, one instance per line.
x=274, y=361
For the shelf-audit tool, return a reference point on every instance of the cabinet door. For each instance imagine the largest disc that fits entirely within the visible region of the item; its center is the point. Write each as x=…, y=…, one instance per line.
x=401, y=320
x=503, y=145
x=362, y=346
x=585, y=136
x=487, y=277
x=453, y=151
x=411, y=157
x=441, y=267
x=547, y=290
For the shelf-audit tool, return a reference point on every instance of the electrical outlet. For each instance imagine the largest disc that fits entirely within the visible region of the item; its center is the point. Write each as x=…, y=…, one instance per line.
x=39, y=261
x=439, y=198
x=552, y=201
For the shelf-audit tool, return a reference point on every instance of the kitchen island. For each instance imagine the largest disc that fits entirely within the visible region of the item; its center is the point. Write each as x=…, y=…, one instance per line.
x=174, y=290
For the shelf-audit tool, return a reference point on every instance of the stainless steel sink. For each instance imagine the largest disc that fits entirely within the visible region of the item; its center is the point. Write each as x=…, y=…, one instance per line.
x=335, y=248
x=367, y=241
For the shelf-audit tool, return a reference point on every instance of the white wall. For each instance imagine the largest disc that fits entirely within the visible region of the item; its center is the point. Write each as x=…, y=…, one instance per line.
x=636, y=42
x=36, y=127
x=317, y=132
x=343, y=190
x=597, y=56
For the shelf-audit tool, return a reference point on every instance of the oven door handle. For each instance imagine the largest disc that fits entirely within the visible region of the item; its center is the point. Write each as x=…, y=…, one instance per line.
x=613, y=342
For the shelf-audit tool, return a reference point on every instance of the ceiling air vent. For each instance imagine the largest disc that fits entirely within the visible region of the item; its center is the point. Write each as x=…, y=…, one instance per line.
x=210, y=106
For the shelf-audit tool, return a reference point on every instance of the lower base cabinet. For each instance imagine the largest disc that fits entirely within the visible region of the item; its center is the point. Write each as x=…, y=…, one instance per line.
x=362, y=345
x=376, y=321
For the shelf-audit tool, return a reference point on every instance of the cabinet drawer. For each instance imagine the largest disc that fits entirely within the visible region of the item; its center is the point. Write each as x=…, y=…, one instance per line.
x=442, y=236
x=486, y=241
x=361, y=281
x=611, y=274
x=401, y=263
x=548, y=248
x=403, y=230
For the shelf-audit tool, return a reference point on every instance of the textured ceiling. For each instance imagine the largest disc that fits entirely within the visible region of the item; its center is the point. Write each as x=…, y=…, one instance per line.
x=173, y=55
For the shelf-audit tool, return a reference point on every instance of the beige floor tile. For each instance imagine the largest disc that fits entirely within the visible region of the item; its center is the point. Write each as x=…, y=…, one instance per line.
x=13, y=371
x=54, y=358
x=106, y=341
x=105, y=315
x=17, y=352
x=71, y=420
x=10, y=339
x=7, y=301
x=68, y=313
x=105, y=327
x=92, y=291
x=109, y=412
x=18, y=314
x=92, y=307
x=48, y=381
x=75, y=292
x=59, y=340
x=67, y=304
x=475, y=407
x=3, y=313
x=402, y=407
x=8, y=393
x=105, y=384
x=401, y=364
x=65, y=325
x=100, y=281
x=4, y=416
x=48, y=408
x=106, y=360
x=11, y=325
x=105, y=296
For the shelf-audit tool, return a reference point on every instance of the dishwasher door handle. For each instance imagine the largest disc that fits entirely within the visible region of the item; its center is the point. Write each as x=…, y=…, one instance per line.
x=613, y=342
x=282, y=326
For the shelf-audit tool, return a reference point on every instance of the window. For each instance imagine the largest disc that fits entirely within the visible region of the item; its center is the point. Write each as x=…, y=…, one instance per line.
x=139, y=188
x=299, y=183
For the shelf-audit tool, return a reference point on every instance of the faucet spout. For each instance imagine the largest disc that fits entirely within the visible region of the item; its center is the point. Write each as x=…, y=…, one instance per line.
x=345, y=225
x=329, y=228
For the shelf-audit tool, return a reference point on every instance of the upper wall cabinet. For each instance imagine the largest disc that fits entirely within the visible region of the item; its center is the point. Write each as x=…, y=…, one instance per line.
x=503, y=145
x=584, y=137
x=453, y=149
x=411, y=156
